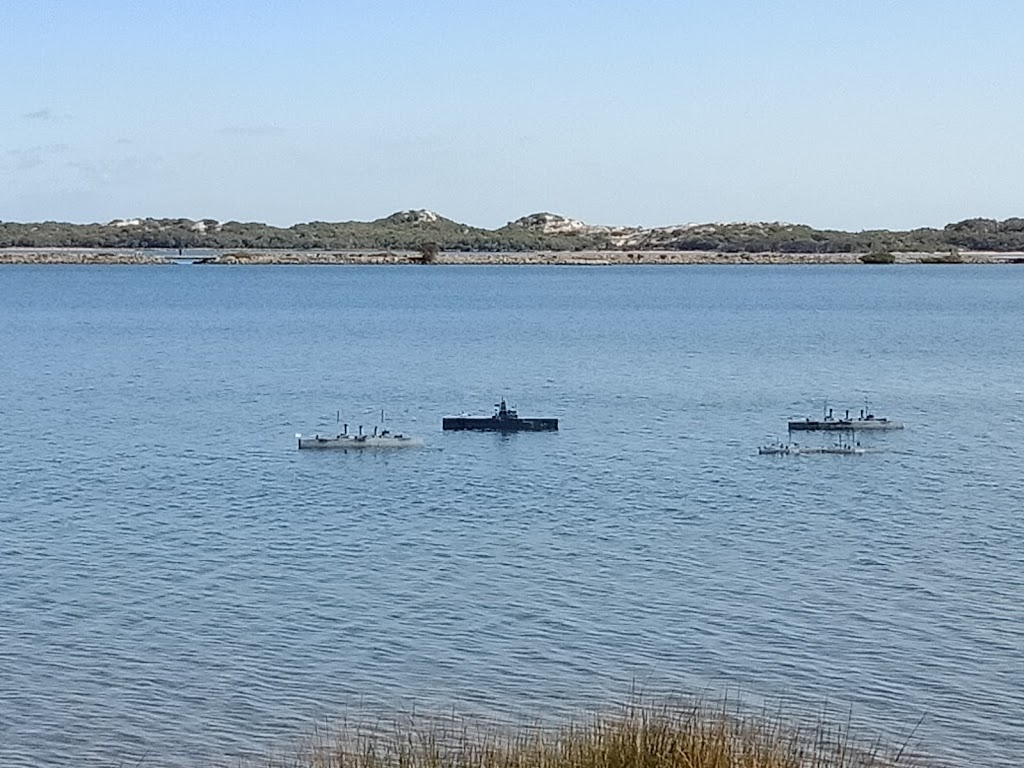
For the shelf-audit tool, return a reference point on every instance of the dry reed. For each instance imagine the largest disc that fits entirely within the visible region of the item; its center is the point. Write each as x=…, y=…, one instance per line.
x=643, y=735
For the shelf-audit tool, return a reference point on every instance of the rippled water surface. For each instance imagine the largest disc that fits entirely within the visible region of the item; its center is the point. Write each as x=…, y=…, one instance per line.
x=180, y=585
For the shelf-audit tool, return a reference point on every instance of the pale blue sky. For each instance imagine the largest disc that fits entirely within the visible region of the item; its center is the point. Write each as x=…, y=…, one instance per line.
x=849, y=115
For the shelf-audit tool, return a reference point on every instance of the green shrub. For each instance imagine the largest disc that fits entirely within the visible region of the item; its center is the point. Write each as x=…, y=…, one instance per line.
x=953, y=257
x=879, y=257
x=428, y=252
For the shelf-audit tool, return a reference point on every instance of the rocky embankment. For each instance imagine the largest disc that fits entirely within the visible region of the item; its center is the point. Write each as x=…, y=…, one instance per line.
x=567, y=258
x=77, y=256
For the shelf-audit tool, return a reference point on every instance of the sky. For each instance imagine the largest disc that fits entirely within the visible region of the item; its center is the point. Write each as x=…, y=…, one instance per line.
x=889, y=114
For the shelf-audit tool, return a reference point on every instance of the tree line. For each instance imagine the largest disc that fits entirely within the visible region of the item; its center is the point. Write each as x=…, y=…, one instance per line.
x=399, y=232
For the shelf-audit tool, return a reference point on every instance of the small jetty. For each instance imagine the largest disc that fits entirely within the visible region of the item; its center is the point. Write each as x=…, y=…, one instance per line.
x=505, y=419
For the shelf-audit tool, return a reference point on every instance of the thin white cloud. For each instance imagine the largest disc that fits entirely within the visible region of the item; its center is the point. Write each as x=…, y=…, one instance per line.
x=125, y=170
x=251, y=130
x=46, y=114
x=27, y=158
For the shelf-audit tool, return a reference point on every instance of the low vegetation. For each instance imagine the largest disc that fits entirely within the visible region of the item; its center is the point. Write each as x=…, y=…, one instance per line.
x=953, y=257
x=428, y=253
x=692, y=735
x=412, y=230
x=400, y=231
x=878, y=257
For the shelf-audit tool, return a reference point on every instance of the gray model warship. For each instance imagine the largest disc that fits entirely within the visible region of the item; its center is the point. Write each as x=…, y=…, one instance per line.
x=382, y=438
x=830, y=423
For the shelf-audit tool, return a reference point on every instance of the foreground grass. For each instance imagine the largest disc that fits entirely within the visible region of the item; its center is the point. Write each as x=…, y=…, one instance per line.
x=691, y=735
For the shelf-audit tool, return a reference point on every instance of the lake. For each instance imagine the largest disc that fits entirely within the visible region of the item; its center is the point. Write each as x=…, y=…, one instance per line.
x=179, y=585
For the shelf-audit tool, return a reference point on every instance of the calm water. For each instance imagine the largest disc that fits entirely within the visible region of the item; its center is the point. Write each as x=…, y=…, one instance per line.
x=179, y=585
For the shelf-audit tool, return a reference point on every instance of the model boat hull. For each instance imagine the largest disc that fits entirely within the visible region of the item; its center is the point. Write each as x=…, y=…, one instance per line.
x=798, y=450
x=358, y=442
x=505, y=419
x=491, y=424
x=838, y=425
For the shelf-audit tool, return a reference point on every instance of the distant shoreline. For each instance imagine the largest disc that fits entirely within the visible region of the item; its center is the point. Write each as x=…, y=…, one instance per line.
x=101, y=256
